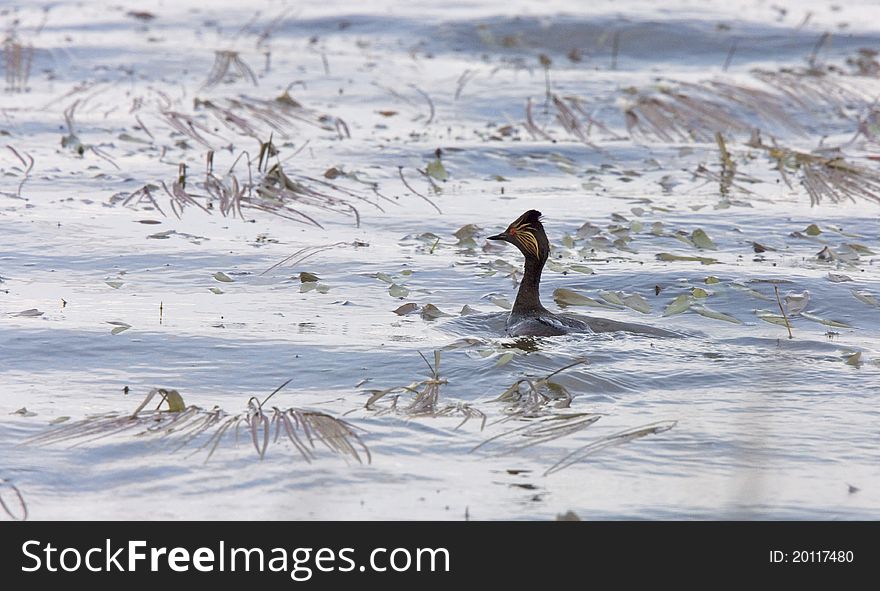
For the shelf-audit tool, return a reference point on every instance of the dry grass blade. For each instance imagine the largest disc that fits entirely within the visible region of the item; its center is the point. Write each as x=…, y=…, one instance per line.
x=812, y=89
x=143, y=194
x=571, y=123
x=674, y=115
x=413, y=191
x=15, y=506
x=610, y=441
x=277, y=190
x=17, y=61
x=195, y=427
x=531, y=127
x=302, y=254
x=425, y=401
x=189, y=127
x=538, y=431
x=430, y=103
x=826, y=174
x=224, y=61
x=28, y=162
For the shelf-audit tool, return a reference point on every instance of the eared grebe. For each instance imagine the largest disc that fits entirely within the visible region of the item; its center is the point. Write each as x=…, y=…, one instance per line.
x=528, y=317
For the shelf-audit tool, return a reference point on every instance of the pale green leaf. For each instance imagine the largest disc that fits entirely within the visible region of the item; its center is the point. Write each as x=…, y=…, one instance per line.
x=397, y=291
x=714, y=314
x=637, y=303
x=678, y=305
x=702, y=240
x=504, y=359
x=825, y=321
x=866, y=297
x=567, y=297
x=437, y=170
x=668, y=257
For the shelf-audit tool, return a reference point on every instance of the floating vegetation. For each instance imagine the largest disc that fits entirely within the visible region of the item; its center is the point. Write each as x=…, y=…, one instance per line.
x=27, y=162
x=538, y=431
x=529, y=397
x=425, y=401
x=180, y=426
x=17, y=60
x=275, y=192
x=602, y=443
x=826, y=174
x=228, y=66
x=254, y=117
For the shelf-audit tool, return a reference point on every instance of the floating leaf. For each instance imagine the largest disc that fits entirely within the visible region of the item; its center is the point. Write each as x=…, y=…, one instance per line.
x=838, y=277
x=504, y=359
x=397, y=291
x=406, y=309
x=825, y=321
x=216, y=290
x=714, y=314
x=501, y=302
x=581, y=269
x=772, y=318
x=384, y=277
x=752, y=292
x=678, y=305
x=437, y=170
x=855, y=359
x=866, y=297
x=32, y=313
x=588, y=230
x=466, y=310
x=668, y=257
x=567, y=297
x=306, y=277
x=702, y=240
x=812, y=230
x=221, y=276
x=861, y=249
x=637, y=303
x=174, y=400
x=432, y=312
x=711, y=279
x=699, y=292
x=795, y=303
x=826, y=254
x=119, y=327
x=612, y=297
x=114, y=284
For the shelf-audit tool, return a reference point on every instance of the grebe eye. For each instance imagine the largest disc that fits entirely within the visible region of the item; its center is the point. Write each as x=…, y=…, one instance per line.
x=512, y=231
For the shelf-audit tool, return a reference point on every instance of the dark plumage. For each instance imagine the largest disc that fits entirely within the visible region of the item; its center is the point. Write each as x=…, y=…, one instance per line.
x=528, y=317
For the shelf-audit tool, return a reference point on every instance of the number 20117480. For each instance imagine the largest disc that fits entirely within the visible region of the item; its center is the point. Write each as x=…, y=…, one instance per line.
x=812, y=556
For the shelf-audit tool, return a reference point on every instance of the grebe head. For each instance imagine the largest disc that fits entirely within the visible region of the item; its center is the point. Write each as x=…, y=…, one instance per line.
x=527, y=234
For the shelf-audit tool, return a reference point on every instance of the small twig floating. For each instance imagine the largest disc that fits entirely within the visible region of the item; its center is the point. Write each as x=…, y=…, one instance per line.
x=408, y=186
x=782, y=309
